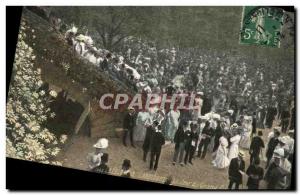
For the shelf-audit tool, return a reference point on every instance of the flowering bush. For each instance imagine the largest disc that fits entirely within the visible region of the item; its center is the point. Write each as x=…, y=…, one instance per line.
x=28, y=110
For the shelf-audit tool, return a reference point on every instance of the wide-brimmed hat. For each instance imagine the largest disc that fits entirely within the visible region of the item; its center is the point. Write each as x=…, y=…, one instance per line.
x=282, y=140
x=102, y=143
x=200, y=93
x=203, y=118
x=278, y=153
x=230, y=111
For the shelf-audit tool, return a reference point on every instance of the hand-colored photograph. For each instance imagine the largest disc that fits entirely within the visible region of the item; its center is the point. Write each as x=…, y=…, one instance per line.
x=200, y=97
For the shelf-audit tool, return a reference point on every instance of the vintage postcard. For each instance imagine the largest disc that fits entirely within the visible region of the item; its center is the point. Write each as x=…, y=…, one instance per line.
x=198, y=97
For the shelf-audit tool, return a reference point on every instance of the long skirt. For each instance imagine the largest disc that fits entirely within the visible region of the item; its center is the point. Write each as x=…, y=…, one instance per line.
x=221, y=161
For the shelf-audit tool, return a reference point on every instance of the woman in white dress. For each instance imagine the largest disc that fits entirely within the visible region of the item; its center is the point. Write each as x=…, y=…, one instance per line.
x=171, y=124
x=246, y=134
x=143, y=118
x=234, y=146
x=221, y=161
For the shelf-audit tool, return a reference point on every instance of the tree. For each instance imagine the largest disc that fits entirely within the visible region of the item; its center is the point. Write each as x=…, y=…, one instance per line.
x=28, y=110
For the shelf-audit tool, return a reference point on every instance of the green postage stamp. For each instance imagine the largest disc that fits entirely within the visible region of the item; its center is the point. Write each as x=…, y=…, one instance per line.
x=261, y=25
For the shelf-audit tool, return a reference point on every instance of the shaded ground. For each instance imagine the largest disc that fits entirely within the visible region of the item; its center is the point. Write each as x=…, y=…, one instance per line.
x=200, y=175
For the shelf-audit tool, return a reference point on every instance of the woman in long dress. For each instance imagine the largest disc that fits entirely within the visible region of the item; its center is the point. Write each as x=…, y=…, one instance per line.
x=172, y=123
x=143, y=118
x=221, y=161
x=234, y=146
x=246, y=134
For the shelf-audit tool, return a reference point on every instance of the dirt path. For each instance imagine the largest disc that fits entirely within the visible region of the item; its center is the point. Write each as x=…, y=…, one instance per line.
x=200, y=175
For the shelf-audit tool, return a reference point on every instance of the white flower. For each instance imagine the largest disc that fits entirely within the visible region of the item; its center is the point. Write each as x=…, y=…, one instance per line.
x=36, y=95
x=17, y=125
x=32, y=107
x=55, y=151
x=53, y=93
x=52, y=115
x=43, y=117
x=35, y=128
x=40, y=83
x=42, y=92
x=63, y=138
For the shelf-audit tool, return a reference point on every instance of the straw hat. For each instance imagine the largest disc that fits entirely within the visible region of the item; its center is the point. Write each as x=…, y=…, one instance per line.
x=230, y=112
x=282, y=140
x=102, y=143
x=278, y=153
x=203, y=118
x=200, y=93
x=234, y=125
x=291, y=131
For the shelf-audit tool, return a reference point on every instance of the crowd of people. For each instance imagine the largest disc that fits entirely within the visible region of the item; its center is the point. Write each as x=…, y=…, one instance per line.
x=236, y=103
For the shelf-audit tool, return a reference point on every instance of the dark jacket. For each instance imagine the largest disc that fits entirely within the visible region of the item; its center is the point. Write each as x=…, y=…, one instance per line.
x=275, y=177
x=209, y=132
x=179, y=136
x=129, y=121
x=148, y=138
x=271, y=146
x=157, y=141
x=254, y=125
x=256, y=145
x=218, y=133
x=256, y=171
x=193, y=138
x=234, y=168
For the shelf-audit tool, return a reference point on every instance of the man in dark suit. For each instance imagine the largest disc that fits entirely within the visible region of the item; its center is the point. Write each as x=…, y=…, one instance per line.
x=128, y=126
x=157, y=142
x=179, y=143
x=206, y=135
x=148, y=138
x=191, y=143
x=254, y=124
x=236, y=169
x=271, y=147
x=255, y=147
x=285, y=116
x=276, y=176
x=255, y=174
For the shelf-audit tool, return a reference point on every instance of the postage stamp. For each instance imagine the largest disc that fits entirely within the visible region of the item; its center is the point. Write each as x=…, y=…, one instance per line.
x=261, y=25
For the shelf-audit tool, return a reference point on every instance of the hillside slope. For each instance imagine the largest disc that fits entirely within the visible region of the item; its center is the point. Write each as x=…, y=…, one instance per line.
x=53, y=53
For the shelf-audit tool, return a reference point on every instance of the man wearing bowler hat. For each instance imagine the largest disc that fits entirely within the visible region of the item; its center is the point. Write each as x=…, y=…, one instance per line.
x=236, y=169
